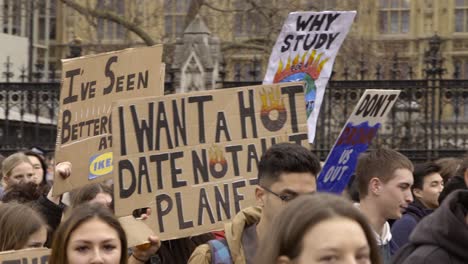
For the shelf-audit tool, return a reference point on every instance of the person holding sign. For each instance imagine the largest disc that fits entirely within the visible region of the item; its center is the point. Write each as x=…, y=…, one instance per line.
x=384, y=178
x=21, y=227
x=310, y=230
x=285, y=172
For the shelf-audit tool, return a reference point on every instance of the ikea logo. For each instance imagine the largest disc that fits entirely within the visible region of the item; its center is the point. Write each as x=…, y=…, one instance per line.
x=100, y=165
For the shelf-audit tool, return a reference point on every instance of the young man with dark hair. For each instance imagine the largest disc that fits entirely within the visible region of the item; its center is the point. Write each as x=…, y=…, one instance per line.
x=285, y=171
x=428, y=184
x=384, y=179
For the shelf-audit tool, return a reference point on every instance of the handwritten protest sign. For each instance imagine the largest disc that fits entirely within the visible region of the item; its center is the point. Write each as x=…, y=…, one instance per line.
x=89, y=86
x=354, y=139
x=193, y=158
x=26, y=256
x=305, y=51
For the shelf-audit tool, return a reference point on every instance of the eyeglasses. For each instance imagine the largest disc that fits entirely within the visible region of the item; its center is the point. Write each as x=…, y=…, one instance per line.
x=284, y=197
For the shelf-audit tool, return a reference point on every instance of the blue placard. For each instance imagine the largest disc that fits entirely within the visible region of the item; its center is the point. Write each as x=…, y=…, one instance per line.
x=342, y=160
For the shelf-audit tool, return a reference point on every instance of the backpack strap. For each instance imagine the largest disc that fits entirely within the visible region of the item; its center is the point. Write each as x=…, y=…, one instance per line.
x=220, y=253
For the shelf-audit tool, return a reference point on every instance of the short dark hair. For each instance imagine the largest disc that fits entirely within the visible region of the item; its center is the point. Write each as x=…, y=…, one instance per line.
x=286, y=158
x=421, y=171
x=380, y=163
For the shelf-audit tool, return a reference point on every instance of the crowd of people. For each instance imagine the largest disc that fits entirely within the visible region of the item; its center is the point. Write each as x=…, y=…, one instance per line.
x=393, y=211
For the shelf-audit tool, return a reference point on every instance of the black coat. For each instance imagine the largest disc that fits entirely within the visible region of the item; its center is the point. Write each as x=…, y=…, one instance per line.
x=441, y=237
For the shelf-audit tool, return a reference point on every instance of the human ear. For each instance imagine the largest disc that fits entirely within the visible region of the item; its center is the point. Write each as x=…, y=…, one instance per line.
x=283, y=260
x=375, y=186
x=417, y=192
x=260, y=196
x=6, y=180
x=466, y=177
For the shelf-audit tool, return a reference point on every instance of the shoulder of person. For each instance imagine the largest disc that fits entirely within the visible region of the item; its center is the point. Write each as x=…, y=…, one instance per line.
x=201, y=255
x=428, y=254
x=406, y=220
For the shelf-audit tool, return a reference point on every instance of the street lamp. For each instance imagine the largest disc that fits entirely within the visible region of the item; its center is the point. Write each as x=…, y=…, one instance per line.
x=75, y=48
x=433, y=59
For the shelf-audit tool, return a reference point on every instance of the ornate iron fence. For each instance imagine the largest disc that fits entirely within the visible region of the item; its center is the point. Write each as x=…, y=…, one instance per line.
x=28, y=115
x=429, y=120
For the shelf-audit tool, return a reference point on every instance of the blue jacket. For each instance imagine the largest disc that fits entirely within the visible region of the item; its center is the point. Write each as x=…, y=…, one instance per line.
x=403, y=227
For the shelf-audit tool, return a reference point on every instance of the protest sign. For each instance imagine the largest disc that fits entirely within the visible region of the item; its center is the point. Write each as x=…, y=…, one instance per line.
x=354, y=139
x=89, y=86
x=192, y=158
x=25, y=256
x=305, y=51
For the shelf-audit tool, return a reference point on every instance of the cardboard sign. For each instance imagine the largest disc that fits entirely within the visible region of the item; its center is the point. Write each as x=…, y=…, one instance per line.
x=192, y=158
x=305, y=51
x=25, y=256
x=354, y=139
x=89, y=86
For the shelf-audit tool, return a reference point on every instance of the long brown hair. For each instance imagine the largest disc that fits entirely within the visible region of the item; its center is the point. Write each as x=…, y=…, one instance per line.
x=88, y=193
x=301, y=214
x=17, y=223
x=77, y=217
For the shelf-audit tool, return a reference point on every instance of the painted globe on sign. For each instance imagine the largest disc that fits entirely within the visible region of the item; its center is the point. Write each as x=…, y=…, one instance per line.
x=309, y=91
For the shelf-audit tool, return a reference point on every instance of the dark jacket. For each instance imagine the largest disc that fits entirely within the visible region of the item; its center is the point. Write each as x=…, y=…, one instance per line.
x=454, y=183
x=52, y=213
x=441, y=237
x=403, y=227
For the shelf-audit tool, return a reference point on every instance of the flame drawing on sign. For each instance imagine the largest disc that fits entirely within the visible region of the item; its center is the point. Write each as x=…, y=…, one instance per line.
x=303, y=68
x=216, y=156
x=272, y=103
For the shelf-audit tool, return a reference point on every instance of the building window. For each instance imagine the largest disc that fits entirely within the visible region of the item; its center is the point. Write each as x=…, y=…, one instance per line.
x=248, y=23
x=12, y=17
x=394, y=16
x=174, y=17
x=461, y=67
x=461, y=16
x=108, y=30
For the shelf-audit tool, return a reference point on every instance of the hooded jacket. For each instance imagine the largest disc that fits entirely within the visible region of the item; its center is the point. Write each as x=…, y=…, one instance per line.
x=441, y=237
x=233, y=233
x=403, y=227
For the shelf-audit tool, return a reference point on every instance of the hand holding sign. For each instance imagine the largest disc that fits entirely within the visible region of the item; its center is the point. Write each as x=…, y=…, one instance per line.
x=63, y=169
x=143, y=252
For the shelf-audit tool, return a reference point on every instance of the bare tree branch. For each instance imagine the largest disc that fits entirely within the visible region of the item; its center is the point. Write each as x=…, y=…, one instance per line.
x=205, y=3
x=231, y=46
x=111, y=16
x=259, y=9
